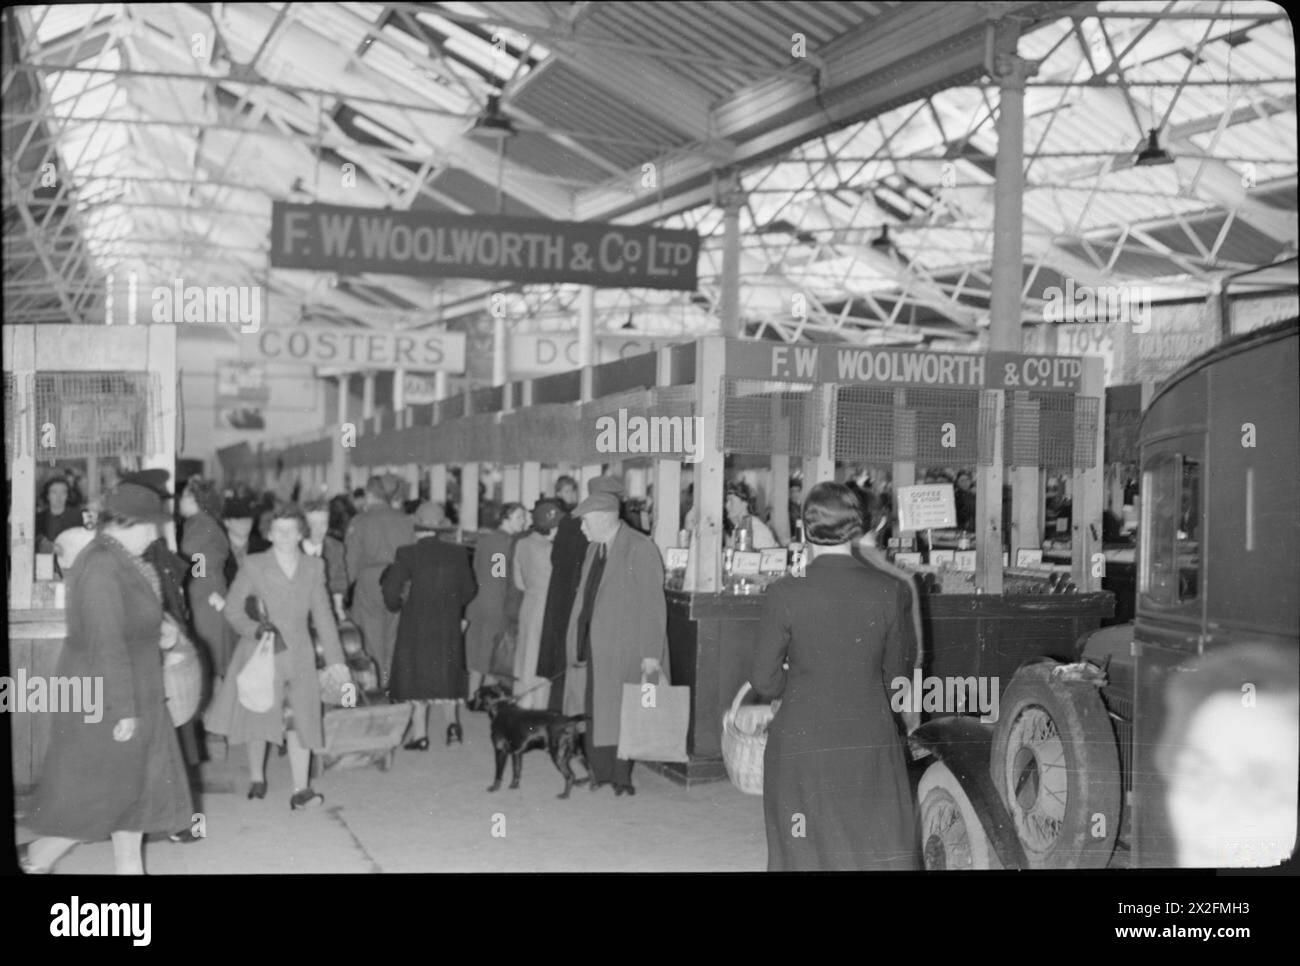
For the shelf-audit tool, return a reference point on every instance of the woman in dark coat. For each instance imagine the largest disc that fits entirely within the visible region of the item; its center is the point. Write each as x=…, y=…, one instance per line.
x=836, y=794
x=432, y=584
x=121, y=773
x=291, y=585
x=493, y=565
x=203, y=539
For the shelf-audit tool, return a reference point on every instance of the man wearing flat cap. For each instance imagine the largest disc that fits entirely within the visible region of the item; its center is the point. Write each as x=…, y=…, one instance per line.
x=618, y=630
x=568, y=551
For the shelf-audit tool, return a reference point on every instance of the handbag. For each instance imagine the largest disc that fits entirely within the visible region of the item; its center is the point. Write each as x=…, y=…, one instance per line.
x=182, y=678
x=255, y=684
x=653, y=720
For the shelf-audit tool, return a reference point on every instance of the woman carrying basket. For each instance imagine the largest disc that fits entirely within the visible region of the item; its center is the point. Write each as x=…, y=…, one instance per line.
x=836, y=794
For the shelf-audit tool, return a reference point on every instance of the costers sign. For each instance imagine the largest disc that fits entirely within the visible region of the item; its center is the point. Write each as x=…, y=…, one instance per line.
x=359, y=348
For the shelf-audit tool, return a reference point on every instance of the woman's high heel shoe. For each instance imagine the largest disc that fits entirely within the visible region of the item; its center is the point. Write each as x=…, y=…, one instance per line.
x=257, y=790
x=419, y=744
x=454, y=733
x=304, y=799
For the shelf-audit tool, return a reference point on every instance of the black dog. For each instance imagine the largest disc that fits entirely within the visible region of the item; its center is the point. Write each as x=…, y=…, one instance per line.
x=516, y=731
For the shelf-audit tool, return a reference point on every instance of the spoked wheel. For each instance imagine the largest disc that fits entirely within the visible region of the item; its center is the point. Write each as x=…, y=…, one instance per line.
x=1055, y=763
x=951, y=834
x=1037, y=780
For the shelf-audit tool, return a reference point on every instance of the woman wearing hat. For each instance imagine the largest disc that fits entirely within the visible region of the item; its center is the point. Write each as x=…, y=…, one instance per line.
x=532, y=576
x=431, y=583
x=830, y=645
x=205, y=545
x=115, y=771
x=493, y=561
x=291, y=585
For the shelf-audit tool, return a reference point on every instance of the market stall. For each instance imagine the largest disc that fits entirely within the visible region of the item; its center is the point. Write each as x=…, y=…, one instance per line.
x=86, y=404
x=991, y=597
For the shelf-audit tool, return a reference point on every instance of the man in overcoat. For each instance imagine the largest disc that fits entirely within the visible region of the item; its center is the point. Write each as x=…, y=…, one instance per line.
x=618, y=629
x=371, y=545
x=567, y=554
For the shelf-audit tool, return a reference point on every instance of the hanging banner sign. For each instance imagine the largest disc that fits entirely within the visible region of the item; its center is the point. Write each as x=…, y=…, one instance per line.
x=430, y=244
x=327, y=345
x=903, y=367
x=531, y=355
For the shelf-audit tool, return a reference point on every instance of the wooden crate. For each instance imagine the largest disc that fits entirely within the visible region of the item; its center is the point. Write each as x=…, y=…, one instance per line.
x=363, y=736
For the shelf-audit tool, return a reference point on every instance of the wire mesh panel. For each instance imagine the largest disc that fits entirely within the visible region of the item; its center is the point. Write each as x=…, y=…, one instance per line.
x=444, y=441
x=621, y=407
x=551, y=432
x=512, y=428
x=1051, y=430
x=868, y=429
x=482, y=438
x=14, y=424
x=934, y=427
x=672, y=401
x=81, y=414
x=763, y=418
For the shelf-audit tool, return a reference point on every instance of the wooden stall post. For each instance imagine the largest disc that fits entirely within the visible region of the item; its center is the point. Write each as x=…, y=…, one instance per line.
x=530, y=473
x=339, y=463
x=778, y=491
x=367, y=398
x=821, y=468
x=20, y=359
x=667, y=473
x=589, y=471
x=469, y=497
x=705, y=573
x=1086, y=484
x=903, y=470
x=988, y=506
x=1026, y=481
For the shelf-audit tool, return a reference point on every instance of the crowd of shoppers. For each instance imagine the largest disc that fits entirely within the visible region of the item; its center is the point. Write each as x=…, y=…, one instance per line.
x=564, y=603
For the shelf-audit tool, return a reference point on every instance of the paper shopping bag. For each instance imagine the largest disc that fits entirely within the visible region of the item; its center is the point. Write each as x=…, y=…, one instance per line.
x=255, y=684
x=653, y=721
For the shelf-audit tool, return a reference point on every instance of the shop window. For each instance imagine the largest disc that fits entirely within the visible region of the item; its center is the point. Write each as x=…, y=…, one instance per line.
x=1170, y=560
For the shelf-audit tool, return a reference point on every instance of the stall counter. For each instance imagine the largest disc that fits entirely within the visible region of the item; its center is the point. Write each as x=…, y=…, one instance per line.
x=712, y=636
x=35, y=642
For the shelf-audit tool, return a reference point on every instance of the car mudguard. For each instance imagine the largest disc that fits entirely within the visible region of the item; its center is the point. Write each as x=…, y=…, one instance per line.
x=964, y=745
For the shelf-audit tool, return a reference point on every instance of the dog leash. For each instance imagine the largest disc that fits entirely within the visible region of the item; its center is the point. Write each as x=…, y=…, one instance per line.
x=514, y=698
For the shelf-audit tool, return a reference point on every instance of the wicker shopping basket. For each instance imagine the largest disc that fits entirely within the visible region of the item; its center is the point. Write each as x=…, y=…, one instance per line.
x=744, y=739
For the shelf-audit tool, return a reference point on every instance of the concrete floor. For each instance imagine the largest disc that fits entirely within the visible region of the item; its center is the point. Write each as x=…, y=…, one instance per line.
x=432, y=813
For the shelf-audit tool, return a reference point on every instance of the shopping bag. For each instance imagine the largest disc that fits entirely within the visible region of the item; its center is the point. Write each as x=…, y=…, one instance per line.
x=653, y=720
x=255, y=684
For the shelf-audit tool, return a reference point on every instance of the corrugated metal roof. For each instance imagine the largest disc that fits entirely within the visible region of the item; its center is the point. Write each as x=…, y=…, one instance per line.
x=606, y=87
